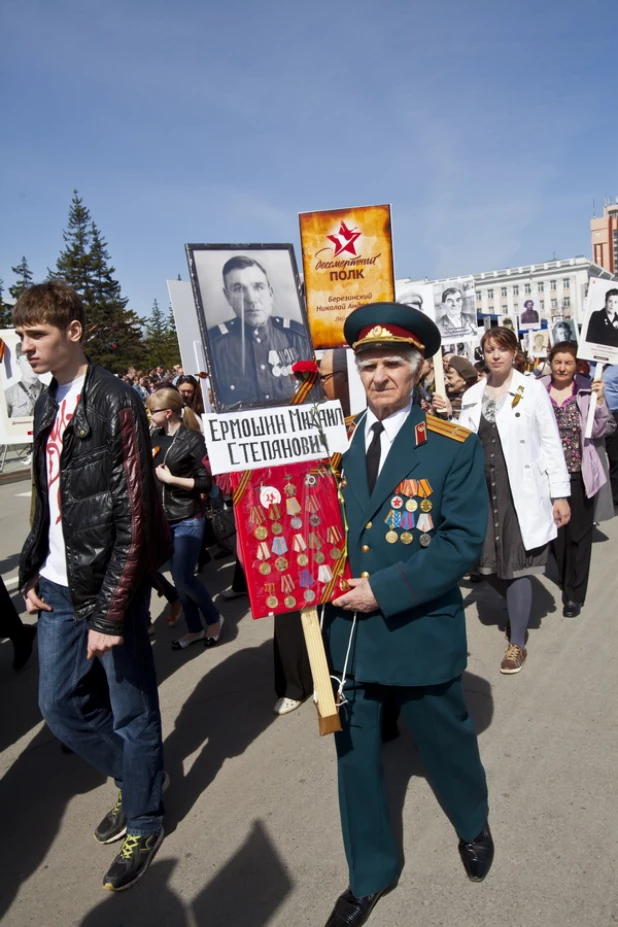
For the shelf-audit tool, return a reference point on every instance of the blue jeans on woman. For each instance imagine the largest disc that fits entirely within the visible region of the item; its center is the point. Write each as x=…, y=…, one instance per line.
x=120, y=737
x=194, y=597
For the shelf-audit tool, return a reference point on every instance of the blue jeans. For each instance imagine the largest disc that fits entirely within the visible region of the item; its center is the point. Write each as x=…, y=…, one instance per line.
x=194, y=597
x=121, y=738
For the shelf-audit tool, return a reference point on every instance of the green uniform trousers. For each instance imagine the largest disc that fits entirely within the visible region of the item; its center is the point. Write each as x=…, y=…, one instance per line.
x=438, y=719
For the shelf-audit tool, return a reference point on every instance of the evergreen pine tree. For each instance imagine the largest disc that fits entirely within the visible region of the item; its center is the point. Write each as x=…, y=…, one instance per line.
x=161, y=340
x=24, y=278
x=6, y=316
x=113, y=337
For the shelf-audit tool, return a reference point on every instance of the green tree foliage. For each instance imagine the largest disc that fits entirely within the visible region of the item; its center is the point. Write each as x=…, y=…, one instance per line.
x=114, y=336
x=24, y=278
x=6, y=316
x=161, y=340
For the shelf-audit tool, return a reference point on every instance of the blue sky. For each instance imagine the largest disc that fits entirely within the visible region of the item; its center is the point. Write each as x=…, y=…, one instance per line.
x=489, y=127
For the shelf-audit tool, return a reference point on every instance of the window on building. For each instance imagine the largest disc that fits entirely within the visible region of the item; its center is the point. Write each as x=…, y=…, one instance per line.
x=490, y=294
x=554, y=303
x=478, y=296
x=541, y=286
x=516, y=307
x=552, y=284
x=566, y=302
x=528, y=288
x=505, y=309
x=566, y=283
x=515, y=290
x=503, y=292
x=541, y=304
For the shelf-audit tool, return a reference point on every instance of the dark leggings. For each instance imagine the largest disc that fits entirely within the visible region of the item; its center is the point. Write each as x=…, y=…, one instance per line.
x=518, y=595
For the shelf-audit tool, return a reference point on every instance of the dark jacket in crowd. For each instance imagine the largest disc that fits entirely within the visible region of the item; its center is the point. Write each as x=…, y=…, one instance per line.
x=113, y=525
x=184, y=455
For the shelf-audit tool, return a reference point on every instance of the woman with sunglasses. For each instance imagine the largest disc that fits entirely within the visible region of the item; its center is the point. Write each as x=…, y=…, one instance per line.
x=179, y=450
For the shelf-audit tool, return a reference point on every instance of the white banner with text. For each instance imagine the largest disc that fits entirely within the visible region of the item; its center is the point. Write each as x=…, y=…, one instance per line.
x=273, y=437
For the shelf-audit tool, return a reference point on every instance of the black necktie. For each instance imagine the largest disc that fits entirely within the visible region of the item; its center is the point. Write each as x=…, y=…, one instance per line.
x=374, y=452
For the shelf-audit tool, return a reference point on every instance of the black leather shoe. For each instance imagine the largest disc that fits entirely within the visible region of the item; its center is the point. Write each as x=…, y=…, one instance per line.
x=478, y=855
x=571, y=610
x=350, y=911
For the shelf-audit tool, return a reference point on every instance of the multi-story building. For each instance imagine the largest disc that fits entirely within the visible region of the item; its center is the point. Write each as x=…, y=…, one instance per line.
x=557, y=288
x=604, y=237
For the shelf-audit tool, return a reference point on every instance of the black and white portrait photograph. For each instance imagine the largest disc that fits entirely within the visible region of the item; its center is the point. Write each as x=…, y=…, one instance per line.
x=564, y=330
x=529, y=318
x=417, y=295
x=510, y=322
x=253, y=321
x=455, y=309
x=20, y=388
x=599, y=333
x=538, y=343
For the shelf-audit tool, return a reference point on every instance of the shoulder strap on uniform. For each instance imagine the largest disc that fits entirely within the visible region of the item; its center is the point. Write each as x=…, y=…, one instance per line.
x=447, y=429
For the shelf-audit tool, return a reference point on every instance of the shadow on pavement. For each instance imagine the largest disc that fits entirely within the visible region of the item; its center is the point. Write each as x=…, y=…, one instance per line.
x=491, y=605
x=246, y=892
x=402, y=761
x=228, y=709
x=33, y=796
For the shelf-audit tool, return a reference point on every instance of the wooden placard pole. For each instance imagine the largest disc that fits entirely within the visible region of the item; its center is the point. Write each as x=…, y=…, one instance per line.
x=328, y=716
x=438, y=375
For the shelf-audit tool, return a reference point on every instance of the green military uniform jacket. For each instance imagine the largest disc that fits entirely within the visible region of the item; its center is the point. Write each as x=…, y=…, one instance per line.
x=270, y=351
x=418, y=636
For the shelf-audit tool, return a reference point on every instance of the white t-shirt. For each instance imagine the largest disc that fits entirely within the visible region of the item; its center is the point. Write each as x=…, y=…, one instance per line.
x=67, y=397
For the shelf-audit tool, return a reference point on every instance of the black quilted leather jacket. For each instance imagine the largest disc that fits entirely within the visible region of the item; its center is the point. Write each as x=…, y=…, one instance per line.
x=114, y=529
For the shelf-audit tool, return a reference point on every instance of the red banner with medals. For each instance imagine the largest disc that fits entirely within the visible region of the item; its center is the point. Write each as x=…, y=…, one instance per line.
x=291, y=536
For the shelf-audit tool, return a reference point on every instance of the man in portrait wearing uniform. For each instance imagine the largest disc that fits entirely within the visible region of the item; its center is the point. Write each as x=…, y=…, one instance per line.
x=21, y=397
x=416, y=505
x=603, y=324
x=252, y=353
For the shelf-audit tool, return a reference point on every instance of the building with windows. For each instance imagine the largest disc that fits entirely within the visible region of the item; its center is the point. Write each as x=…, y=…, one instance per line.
x=556, y=288
x=604, y=237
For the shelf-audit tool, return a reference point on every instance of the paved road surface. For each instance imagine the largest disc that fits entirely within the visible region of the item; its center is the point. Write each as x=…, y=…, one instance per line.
x=253, y=830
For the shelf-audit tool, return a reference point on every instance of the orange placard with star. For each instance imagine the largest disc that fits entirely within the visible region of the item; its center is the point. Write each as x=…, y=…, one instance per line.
x=347, y=262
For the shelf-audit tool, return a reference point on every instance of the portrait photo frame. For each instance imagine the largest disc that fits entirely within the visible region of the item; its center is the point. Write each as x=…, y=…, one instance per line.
x=19, y=390
x=253, y=324
x=599, y=336
x=562, y=329
x=455, y=309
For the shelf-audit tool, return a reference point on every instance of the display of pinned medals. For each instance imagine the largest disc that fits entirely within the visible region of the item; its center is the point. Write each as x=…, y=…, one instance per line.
x=291, y=535
x=410, y=509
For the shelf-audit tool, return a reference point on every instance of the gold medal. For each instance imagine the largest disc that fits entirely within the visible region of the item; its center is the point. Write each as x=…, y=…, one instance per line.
x=272, y=601
x=426, y=505
x=319, y=557
x=336, y=554
x=265, y=569
x=406, y=537
x=392, y=537
x=411, y=505
x=309, y=595
x=302, y=559
x=261, y=533
x=289, y=601
x=281, y=564
x=276, y=528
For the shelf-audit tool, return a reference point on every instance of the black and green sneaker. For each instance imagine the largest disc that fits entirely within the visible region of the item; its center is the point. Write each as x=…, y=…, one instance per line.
x=136, y=854
x=114, y=824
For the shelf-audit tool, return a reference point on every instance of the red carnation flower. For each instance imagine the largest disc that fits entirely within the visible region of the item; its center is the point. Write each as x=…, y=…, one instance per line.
x=305, y=367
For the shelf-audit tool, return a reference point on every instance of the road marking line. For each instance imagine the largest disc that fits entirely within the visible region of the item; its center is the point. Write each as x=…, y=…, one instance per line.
x=23, y=495
x=11, y=581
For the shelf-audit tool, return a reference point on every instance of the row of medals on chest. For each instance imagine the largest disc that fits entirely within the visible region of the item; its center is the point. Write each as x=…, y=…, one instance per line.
x=401, y=515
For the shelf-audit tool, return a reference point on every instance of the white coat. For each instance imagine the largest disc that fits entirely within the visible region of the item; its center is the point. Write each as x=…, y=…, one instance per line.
x=533, y=452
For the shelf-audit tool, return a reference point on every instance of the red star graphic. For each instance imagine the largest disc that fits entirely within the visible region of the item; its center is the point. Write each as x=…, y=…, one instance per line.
x=344, y=240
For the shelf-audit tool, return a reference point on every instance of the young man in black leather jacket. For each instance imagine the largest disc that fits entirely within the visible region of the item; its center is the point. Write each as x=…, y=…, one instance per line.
x=97, y=534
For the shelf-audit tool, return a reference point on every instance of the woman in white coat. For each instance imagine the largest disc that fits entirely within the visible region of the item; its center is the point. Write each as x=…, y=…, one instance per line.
x=527, y=480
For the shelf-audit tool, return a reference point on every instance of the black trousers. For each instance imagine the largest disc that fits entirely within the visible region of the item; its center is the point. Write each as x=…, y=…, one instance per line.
x=292, y=671
x=573, y=546
x=611, y=446
x=11, y=625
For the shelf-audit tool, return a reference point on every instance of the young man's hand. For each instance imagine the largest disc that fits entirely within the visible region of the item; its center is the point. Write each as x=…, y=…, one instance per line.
x=99, y=643
x=33, y=603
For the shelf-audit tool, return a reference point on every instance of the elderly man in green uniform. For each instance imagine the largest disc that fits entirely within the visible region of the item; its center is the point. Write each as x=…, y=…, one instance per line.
x=252, y=353
x=416, y=505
